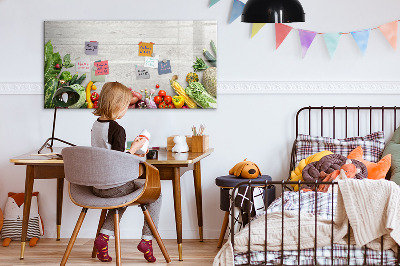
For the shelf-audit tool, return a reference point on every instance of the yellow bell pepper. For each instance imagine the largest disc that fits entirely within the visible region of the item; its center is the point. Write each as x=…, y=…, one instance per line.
x=178, y=101
x=88, y=94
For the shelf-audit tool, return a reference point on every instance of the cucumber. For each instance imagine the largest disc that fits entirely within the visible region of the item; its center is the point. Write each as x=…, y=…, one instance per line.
x=213, y=47
x=210, y=59
x=72, y=81
x=79, y=80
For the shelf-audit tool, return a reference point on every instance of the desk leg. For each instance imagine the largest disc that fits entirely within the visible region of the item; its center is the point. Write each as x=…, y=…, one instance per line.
x=27, y=206
x=176, y=182
x=60, y=190
x=199, y=204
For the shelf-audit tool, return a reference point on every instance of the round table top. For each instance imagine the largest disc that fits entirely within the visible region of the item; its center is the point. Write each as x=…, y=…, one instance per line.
x=230, y=181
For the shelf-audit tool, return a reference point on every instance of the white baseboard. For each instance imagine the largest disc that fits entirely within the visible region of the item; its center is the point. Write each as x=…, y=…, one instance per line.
x=260, y=87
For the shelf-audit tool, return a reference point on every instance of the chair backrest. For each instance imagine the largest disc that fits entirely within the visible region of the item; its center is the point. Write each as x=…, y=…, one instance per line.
x=91, y=166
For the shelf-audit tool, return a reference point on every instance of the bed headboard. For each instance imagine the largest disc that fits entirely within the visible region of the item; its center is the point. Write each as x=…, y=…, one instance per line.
x=344, y=121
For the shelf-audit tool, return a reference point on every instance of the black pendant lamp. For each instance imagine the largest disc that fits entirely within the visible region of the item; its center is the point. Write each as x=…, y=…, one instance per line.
x=273, y=11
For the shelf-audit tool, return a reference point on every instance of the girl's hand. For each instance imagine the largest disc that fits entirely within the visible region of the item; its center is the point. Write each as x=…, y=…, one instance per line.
x=143, y=155
x=137, y=144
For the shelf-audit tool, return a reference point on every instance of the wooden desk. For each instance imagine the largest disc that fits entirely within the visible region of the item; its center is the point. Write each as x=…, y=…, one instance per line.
x=171, y=167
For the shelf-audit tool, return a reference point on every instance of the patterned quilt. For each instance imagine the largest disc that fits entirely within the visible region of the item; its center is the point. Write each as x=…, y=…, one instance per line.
x=321, y=205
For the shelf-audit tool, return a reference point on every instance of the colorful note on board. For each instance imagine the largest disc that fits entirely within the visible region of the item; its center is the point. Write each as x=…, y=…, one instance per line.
x=151, y=62
x=142, y=73
x=82, y=65
x=164, y=67
x=145, y=48
x=101, y=68
x=91, y=48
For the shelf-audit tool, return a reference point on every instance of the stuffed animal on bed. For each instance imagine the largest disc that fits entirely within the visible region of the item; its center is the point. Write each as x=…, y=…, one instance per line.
x=245, y=169
x=13, y=215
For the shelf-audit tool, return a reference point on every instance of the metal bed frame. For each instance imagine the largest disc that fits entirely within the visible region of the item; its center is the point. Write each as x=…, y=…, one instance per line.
x=284, y=184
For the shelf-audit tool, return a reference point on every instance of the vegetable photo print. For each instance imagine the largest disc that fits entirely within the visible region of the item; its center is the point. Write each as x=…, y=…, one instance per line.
x=166, y=64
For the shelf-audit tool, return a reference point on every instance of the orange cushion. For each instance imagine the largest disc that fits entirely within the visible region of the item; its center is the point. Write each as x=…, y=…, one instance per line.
x=375, y=170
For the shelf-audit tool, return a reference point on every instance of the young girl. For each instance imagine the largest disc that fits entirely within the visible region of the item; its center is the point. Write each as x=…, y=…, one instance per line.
x=107, y=133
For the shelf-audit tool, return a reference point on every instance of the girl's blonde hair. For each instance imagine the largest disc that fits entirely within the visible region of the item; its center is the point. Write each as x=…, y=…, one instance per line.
x=113, y=98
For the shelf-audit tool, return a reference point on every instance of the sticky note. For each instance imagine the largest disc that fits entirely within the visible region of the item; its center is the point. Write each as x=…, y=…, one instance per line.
x=91, y=48
x=164, y=67
x=101, y=68
x=145, y=48
x=99, y=78
x=151, y=62
x=82, y=65
x=142, y=73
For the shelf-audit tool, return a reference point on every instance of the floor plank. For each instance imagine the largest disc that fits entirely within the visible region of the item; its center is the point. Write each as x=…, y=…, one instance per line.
x=50, y=252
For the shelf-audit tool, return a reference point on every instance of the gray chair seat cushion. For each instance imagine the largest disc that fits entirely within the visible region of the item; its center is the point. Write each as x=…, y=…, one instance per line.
x=83, y=196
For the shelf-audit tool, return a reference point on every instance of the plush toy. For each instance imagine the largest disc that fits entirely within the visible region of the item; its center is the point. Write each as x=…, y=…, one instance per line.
x=13, y=215
x=245, y=169
x=180, y=144
x=375, y=170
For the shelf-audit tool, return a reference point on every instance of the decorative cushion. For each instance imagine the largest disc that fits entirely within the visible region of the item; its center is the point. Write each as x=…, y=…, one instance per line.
x=393, y=148
x=372, y=144
x=327, y=165
x=375, y=170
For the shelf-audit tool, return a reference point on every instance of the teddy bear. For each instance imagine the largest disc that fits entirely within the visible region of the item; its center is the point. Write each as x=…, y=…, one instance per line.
x=180, y=144
x=13, y=215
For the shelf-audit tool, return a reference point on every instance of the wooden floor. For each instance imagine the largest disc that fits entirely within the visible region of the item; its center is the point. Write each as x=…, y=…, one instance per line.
x=50, y=252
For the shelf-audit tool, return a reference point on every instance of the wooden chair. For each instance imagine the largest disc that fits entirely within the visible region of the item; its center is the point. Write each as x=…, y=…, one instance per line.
x=85, y=167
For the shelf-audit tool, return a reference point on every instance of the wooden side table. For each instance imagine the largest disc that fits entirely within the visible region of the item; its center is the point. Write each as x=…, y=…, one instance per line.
x=226, y=183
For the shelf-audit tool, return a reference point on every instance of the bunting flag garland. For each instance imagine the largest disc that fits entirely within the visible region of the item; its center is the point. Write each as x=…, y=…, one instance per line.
x=306, y=39
x=361, y=37
x=281, y=31
x=237, y=9
x=389, y=30
x=332, y=41
x=213, y=2
x=256, y=28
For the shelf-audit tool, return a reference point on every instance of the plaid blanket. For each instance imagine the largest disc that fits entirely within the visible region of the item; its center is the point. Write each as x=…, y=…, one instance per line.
x=323, y=205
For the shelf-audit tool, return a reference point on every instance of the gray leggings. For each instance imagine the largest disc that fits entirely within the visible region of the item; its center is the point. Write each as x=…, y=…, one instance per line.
x=154, y=208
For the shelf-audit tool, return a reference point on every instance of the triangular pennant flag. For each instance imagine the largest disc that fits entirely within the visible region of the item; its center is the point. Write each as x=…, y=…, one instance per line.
x=389, y=30
x=361, y=37
x=237, y=9
x=306, y=39
x=281, y=31
x=332, y=41
x=213, y=2
x=255, y=28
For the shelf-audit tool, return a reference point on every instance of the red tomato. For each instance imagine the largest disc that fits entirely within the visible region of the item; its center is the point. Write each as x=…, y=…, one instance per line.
x=157, y=86
x=95, y=104
x=157, y=99
x=162, y=105
x=168, y=99
x=162, y=93
x=170, y=105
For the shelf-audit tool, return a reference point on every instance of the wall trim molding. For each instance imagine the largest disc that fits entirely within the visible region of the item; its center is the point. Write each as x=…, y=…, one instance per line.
x=259, y=87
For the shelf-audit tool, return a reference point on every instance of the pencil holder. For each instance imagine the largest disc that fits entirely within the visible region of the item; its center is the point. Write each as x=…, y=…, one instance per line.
x=200, y=143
